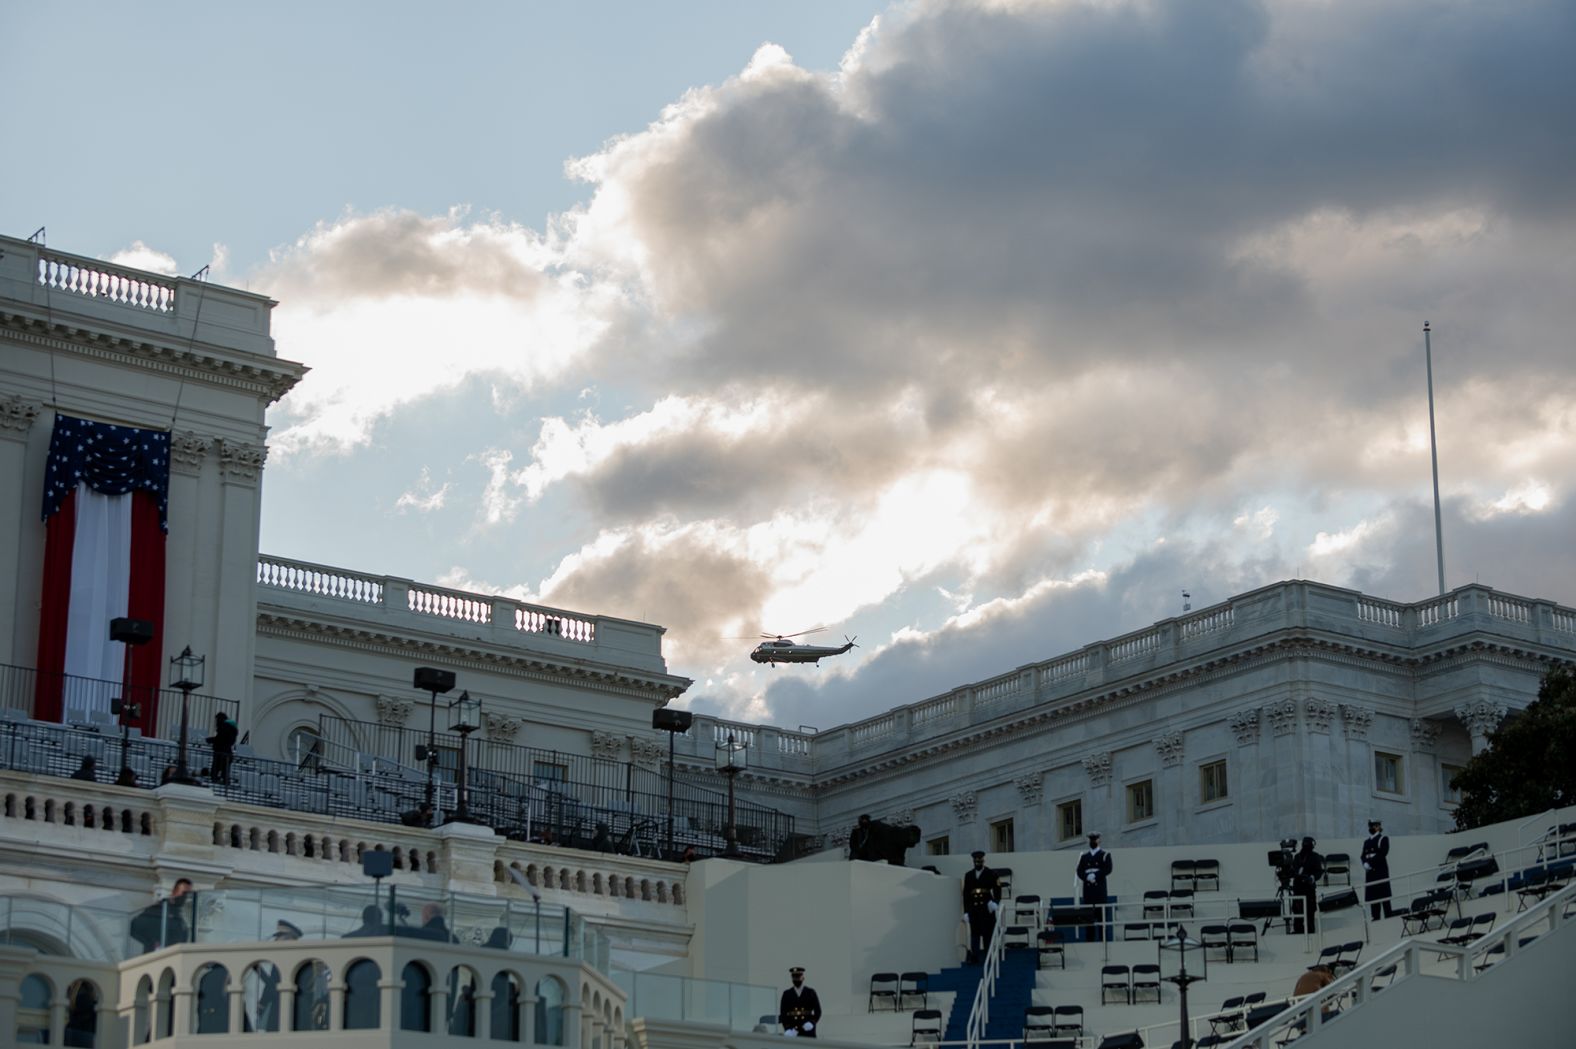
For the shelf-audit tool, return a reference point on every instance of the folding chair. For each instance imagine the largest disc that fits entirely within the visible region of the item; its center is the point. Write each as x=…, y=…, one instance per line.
x=1004, y=881
x=1050, y=945
x=1070, y=1018
x=1181, y=904
x=1039, y=1021
x=1338, y=865
x=1135, y=930
x=926, y=1029
x=1229, y=1016
x=883, y=987
x=1347, y=959
x=1244, y=937
x=1155, y=901
x=1329, y=955
x=914, y=985
x=1015, y=936
x=1184, y=874
x=1206, y=875
x=1146, y=978
x=1215, y=938
x=1026, y=910
x=1383, y=978
x=1116, y=978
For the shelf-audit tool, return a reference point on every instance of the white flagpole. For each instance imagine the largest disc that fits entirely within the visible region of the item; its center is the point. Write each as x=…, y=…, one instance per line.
x=1433, y=450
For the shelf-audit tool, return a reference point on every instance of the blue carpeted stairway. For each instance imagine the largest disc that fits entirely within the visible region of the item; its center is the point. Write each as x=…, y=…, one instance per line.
x=1014, y=994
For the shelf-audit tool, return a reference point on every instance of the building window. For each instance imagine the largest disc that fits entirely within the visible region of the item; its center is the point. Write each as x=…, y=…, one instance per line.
x=1212, y=782
x=939, y=846
x=1001, y=836
x=1069, y=820
x=1448, y=794
x=547, y=772
x=1141, y=801
x=1387, y=773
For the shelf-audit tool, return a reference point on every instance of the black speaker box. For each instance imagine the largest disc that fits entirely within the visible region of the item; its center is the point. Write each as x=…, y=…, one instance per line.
x=376, y=863
x=1130, y=1040
x=1338, y=901
x=431, y=679
x=1252, y=910
x=1472, y=870
x=671, y=719
x=131, y=631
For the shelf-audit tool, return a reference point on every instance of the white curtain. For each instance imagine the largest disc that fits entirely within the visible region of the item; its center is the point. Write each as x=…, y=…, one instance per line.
x=100, y=579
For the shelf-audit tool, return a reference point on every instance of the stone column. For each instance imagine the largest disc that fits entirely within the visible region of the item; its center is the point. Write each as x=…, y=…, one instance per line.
x=572, y=1021
x=389, y=999
x=1481, y=717
x=237, y=1002
x=483, y=999
x=182, y=1001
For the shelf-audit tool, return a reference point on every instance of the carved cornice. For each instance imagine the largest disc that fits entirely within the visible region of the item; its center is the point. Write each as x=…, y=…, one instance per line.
x=1098, y=766
x=1283, y=716
x=263, y=377
x=1031, y=789
x=1357, y=720
x=532, y=666
x=1320, y=713
x=964, y=807
x=1169, y=746
x=17, y=415
x=1245, y=726
x=240, y=461
x=189, y=449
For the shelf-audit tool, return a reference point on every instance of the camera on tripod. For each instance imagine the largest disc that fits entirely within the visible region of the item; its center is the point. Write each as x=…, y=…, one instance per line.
x=1281, y=859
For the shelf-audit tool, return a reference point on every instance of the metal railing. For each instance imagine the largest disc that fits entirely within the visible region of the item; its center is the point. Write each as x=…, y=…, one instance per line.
x=979, y=1011
x=87, y=702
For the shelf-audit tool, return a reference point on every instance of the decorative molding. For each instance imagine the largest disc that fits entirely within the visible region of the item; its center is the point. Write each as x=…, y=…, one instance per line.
x=899, y=817
x=1320, y=713
x=241, y=461
x=1031, y=788
x=1356, y=720
x=964, y=807
x=1245, y=726
x=188, y=448
x=650, y=753
x=1099, y=768
x=17, y=415
x=1283, y=716
x=1169, y=746
x=606, y=745
x=1482, y=716
x=393, y=711
x=1424, y=735
x=499, y=729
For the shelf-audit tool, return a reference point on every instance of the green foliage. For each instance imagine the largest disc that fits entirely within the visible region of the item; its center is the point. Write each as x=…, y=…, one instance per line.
x=1530, y=764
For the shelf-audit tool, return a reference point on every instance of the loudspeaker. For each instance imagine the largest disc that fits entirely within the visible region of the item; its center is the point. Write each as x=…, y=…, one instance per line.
x=431, y=679
x=1252, y=910
x=131, y=631
x=671, y=719
x=1338, y=901
x=377, y=864
x=1130, y=1040
x=1075, y=915
x=1472, y=870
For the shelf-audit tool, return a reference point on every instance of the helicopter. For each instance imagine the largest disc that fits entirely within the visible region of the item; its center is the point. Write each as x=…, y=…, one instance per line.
x=778, y=648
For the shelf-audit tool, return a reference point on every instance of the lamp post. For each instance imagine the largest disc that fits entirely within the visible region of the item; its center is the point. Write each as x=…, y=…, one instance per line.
x=1179, y=953
x=435, y=681
x=732, y=756
x=186, y=674
x=465, y=717
x=130, y=633
x=672, y=721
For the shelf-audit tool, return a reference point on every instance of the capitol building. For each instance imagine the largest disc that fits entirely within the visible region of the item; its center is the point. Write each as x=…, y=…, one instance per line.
x=454, y=818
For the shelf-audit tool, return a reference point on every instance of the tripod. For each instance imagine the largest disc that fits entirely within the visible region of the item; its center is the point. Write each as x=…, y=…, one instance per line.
x=1282, y=889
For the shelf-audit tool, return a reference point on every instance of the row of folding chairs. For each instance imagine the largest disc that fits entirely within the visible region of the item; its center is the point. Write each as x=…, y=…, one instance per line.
x=1053, y=1021
x=1168, y=903
x=1341, y=956
x=1130, y=981
x=1231, y=939
x=1233, y=1012
x=898, y=989
x=1195, y=874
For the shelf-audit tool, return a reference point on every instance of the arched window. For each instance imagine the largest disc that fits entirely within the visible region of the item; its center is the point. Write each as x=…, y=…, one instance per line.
x=260, y=998
x=165, y=1023
x=32, y=1011
x=311, y=997
x=462, y=1002
x=141, y=1031
x=361, y=996
x=304, y=747
x=82, y=1001
x=505, y=1008
x=213, y=1003
x=549, y=1012
x=415, y=999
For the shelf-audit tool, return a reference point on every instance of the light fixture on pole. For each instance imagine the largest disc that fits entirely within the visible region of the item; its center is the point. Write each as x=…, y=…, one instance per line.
x=672, y=721
x=1183, y=962
x=465, y=717
x=435, y=681
x=130, y=633
x=186, y=674
x=732, y=758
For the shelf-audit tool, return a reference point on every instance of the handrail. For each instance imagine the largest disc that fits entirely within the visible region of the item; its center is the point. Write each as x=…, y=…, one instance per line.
x=1308, y=1014
x=979, y=1012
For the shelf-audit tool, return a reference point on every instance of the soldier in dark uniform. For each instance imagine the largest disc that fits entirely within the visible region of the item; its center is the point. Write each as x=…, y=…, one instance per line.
x=1376, y=870
x=861, y=841
x=981, y=900
x=800, y=1009
x=1094, y=867
x=1307, y=867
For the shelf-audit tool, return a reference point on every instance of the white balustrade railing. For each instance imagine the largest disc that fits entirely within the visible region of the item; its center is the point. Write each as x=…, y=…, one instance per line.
x=319, y=580
x=1384, y=613
x=793, y=743
x=998, y=689
x=1064, y=668
x=936, y=709
x=741, y=735
x=1133, y=646
x=1208, y=622
x=1564, y=621
x=102, y=280
x=450, y=604
x=1438, y=611
x=1501, y=607
x=873, y=729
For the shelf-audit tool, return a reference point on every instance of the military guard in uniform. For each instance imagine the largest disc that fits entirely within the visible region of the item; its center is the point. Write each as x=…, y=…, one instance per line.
x=1376, y=870
x=800, y=1009
x=981, y=900
x=1094, y=867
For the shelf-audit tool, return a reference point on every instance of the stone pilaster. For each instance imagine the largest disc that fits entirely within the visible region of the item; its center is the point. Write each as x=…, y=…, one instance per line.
x=1481, y=717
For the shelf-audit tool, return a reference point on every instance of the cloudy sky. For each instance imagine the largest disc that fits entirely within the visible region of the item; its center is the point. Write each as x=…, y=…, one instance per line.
x=979, y=330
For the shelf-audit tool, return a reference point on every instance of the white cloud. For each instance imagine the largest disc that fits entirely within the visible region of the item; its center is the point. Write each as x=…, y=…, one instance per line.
x=423, y=497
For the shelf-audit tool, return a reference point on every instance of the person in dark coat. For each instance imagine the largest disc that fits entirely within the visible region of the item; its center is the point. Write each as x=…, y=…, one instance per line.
x=1376, y=871
x=1307, y=867
x=223, y=742
x=165, y=921
x=981, y=900
x=88, y=771
x=433, y=925
x=861, y=840
x=1094, y=867
x=799, y=1009
x=371, y=923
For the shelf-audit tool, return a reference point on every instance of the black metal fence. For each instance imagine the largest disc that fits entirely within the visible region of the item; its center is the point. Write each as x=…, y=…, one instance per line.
x=532, y=792
x=88, y=702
